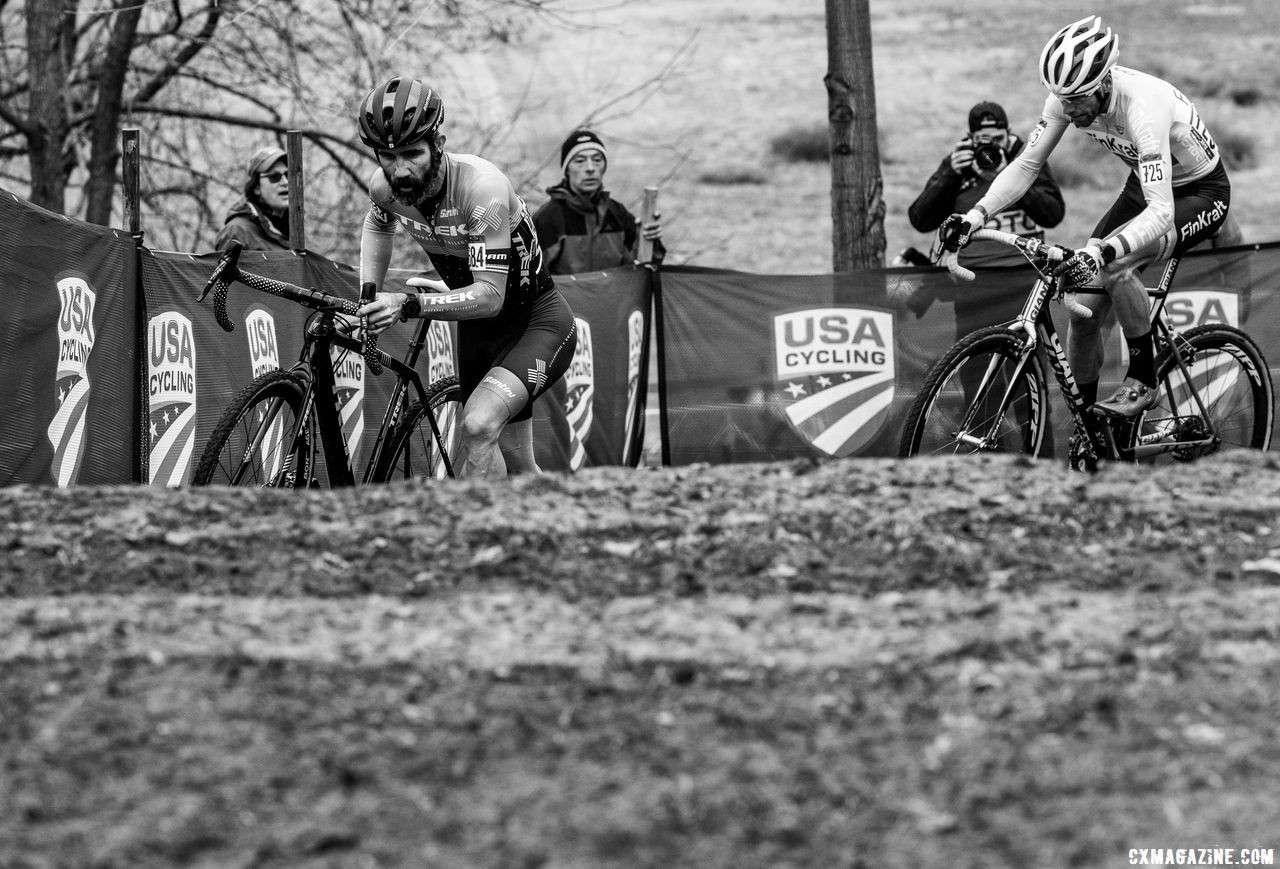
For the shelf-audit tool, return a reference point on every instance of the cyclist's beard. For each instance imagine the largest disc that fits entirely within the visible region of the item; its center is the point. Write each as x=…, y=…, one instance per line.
x=412, y=191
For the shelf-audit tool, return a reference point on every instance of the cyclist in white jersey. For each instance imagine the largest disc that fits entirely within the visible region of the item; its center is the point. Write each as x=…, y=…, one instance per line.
x=516, y=332
x=1176, y=196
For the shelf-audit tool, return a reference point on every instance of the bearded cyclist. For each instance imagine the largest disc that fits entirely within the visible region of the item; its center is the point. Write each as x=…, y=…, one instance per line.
x=516, y=333
x=1176, y=196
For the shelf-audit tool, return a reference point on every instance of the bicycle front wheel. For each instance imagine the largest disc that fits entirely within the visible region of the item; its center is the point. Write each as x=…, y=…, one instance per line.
x=254, y=442
x=416, y=449
x=1223, y=400
x=987, y=394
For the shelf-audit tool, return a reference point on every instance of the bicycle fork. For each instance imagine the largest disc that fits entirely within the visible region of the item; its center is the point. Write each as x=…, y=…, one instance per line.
x=990, y=438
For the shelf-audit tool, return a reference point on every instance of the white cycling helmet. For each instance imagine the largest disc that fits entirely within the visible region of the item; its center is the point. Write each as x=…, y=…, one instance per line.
x=1078, y=58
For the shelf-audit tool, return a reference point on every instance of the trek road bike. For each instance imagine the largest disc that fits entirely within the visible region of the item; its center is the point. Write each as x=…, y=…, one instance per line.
x=281, y=424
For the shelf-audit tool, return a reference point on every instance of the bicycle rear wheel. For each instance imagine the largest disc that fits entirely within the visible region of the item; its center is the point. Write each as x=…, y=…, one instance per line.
x=253, y=443
x=413, y=451
x=1229, y=374
x=985, y=395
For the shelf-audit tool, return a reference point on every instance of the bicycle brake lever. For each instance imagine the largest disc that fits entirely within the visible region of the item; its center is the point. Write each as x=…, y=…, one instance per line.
x=228, y=262
x=227, y=270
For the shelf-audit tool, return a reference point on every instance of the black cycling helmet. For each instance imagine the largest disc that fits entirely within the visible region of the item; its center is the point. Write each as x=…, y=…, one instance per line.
x=400, y=111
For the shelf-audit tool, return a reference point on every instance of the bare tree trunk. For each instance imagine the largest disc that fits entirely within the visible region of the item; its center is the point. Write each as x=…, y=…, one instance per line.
x=857, y=203
x=105, y=128
x=51, y=47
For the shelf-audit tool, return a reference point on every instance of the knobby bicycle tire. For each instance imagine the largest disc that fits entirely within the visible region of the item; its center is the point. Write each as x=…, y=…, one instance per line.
x=951, y=391
x=1231, y=377
x=252, y=443
x=412, y=451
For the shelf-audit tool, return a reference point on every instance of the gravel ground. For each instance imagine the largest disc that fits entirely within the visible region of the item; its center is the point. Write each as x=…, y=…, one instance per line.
x=875, y=663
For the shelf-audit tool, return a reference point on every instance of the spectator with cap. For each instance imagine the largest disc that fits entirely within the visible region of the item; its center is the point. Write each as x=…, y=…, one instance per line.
x=964, y=176
x=259, y=219
x=582, y=228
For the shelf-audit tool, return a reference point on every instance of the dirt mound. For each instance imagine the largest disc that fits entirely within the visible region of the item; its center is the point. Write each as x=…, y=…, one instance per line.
x=878, y=663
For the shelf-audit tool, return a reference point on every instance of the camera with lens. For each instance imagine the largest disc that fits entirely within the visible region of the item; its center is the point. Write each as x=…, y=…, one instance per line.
x=987, y=156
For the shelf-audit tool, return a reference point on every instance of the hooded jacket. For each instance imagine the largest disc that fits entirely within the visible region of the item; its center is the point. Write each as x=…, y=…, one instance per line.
x=250, y=225
x=585, y=233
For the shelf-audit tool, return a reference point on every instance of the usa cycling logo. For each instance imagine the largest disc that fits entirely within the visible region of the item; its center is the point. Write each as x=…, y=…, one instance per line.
x=75, y=342
x=171, y=394
x=835, y=371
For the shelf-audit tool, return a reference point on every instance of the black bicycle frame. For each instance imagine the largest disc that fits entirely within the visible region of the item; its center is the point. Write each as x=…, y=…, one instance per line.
x=315, y=366
x=1103, y=435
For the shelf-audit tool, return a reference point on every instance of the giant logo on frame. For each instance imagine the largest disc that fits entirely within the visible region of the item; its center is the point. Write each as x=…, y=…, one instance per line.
x=75, y=343
x=171, y=392
x=835, y=372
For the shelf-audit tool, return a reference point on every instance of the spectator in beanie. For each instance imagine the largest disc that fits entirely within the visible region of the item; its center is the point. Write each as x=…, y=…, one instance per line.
x=260, y=219
x=582, y=228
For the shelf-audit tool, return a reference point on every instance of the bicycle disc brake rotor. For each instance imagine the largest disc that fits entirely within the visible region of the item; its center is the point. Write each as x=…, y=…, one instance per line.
x=1193, y=428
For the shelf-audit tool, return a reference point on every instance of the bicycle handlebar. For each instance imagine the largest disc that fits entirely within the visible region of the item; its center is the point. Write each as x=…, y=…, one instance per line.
x=1040, y=253
x=228, y=271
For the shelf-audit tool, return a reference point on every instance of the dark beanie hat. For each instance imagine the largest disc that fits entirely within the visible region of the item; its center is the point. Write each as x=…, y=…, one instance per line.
x=578, y=141
x=987, y=115
x=260, y=161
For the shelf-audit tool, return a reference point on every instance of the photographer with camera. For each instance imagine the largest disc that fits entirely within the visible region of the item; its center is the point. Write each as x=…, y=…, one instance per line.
x=964, y=176
x=961, y=179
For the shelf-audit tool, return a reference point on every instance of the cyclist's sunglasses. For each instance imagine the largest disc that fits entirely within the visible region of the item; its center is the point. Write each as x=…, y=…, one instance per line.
x=273, y=177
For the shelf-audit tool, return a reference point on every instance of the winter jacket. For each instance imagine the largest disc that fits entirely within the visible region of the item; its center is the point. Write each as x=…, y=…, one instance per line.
x=250, y=225
x=583, y=234
x=948, y=192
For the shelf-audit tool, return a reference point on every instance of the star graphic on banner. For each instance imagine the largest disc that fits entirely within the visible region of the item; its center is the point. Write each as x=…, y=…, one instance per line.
x=824, y=381
x=795, y=389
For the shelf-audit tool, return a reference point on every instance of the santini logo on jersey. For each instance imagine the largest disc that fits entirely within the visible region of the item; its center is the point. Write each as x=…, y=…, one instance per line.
x=835, y=371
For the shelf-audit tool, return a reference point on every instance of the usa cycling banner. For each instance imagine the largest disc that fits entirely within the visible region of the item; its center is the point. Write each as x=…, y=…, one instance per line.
x=68, y=342
x=193, y=367
x=756, y=367
x=595, y=414
x=770, y=367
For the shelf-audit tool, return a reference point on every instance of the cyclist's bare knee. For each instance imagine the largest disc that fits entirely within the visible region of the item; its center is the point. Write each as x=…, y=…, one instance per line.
x=498, y=397
x=1129, y=295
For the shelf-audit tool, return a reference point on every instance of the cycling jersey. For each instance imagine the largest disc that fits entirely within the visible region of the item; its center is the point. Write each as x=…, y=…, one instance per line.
x=476, y=229
x=1148, y=124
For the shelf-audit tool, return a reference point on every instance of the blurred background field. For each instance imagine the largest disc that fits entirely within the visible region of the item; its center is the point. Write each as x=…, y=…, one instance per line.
x=721, y=103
